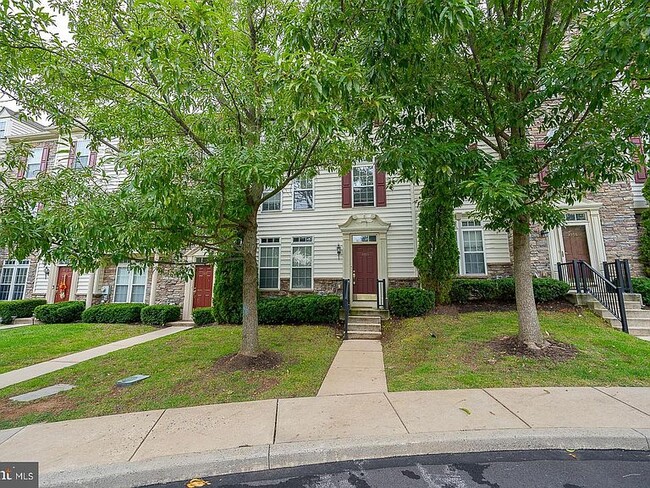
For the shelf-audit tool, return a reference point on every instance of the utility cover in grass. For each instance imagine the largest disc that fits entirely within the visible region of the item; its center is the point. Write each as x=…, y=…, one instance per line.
x=42, y=393
x=132, y=379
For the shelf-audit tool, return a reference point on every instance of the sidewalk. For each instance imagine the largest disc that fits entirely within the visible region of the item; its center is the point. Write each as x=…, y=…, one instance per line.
x=35, y=370
x=358, y=367
x=165, y=445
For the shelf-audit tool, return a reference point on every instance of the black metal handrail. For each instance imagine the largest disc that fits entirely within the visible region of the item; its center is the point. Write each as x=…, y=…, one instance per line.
x=585, y=279
x=346, y=306
x=381, y=295
x=618, y=272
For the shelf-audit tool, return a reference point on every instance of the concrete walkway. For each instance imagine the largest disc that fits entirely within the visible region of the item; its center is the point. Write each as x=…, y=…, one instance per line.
x=163, y=445
x=357, y=368
x=36, y=370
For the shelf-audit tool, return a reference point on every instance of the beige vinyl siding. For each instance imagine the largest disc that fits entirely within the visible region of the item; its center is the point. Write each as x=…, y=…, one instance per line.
x=322, y=223
x=40, y=280
x=82, y=284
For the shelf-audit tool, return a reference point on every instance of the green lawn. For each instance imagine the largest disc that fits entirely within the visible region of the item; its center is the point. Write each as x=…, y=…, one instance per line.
x=459, y=357
x=181, y=369
x=31, y=344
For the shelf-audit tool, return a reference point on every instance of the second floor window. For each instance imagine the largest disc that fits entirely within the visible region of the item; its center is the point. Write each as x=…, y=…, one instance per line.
x=303, y=194
x=82, y=155
x=273, y=204
x=363, y=185
x=34, y=162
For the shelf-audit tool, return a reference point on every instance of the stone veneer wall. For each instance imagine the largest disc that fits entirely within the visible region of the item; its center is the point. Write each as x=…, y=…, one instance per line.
x=170, y=289
x=618, y=220
x=539, y=252
x=322, y=286
x=499, y=269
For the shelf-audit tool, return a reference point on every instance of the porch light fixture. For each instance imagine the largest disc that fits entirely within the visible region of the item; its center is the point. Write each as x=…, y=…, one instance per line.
x=46, y=270
x=543, y=233
x=339, y=251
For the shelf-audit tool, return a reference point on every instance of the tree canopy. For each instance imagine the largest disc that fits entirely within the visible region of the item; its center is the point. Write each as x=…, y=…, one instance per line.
x=210, y=108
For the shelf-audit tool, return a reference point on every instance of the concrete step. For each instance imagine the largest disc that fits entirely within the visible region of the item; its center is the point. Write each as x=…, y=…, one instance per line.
x=181, y=323
x=364, y=335
x=25, y=321
x=364, y=327
x=631, y=314
x=595, y=305
x=365, y=319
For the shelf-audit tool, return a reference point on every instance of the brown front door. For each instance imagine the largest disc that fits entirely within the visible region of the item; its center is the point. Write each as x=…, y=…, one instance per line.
x=364, y=266
x=63, y=283
x=575, y=243
x=202, y=286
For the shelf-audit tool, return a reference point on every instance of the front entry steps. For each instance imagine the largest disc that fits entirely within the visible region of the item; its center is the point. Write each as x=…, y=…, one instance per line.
x=638, y=319
x=364, y=323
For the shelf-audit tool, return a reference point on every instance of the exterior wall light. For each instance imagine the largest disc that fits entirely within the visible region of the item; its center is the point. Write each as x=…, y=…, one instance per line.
x=339, y=251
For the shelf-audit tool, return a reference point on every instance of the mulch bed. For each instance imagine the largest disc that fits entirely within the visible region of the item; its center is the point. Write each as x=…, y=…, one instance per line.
x=479, y=306
x=557, y=351
x=236, y=362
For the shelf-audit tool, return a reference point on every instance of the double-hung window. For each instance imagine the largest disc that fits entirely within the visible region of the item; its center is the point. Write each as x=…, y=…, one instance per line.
x=303, y=194
x=13, y=279
x=273, y=204
x=363, y=185
x=473, y=257
x=33, y=166
x=82, y=154
x=130, y=284
x=302, y=261
x=270, y=263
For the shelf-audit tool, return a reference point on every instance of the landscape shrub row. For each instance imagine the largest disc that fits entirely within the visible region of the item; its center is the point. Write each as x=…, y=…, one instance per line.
x=18, y=309
x=203, y=316
x=503, y=290
x=305, y=309
x=410, y=302
x=160, y=314
x=59, y=313
x=131, y=313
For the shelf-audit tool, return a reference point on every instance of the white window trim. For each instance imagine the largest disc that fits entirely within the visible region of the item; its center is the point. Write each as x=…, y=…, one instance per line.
x=277, y=195
x=38, y=163
x=461, y=248
x=129, y=292
x=302, y=244
x=15, y=265
x=313, y=195
x=78, y=153
x=374, y=185
x=277, y=244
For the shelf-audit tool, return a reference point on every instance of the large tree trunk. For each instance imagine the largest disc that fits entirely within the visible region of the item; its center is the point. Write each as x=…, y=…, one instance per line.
x=530, y=332
x=250, y=342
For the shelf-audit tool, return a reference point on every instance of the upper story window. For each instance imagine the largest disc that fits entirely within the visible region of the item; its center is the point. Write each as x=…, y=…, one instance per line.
x=303, y=194
x=3, y=129
x=363, y=185
x=82, y=154
x=273, y=204
x=13, y=278
x=473, y=250
x=130, y=284
x=35, y=163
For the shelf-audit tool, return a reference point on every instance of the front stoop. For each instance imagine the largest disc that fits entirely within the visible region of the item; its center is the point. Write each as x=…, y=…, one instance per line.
x=638, y=318
x=364, y=323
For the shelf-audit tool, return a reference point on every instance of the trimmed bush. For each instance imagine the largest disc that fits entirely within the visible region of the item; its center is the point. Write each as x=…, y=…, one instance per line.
x=59, y=313
x=203, y=316
x=503, y=290
x=113, y=313
x=228, y=288
x=19, y=309
x=410, y=302
x=160, y=314
x=642, y=286
x=304, y=309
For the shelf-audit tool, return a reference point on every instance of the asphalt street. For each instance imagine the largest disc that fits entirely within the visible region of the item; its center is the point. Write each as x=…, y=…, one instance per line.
x=518, y=469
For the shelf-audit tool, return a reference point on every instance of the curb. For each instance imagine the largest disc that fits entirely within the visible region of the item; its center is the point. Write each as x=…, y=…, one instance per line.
x=258, y=458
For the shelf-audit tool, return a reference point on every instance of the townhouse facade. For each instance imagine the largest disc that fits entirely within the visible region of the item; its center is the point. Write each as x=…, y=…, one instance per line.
x=318, y=231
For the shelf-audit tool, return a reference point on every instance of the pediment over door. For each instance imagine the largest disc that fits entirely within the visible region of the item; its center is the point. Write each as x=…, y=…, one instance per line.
x=364, y=223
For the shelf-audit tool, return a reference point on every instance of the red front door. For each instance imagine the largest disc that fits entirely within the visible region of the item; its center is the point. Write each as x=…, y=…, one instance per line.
x=63, y=284
x=364, y=266
x=202, y=286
